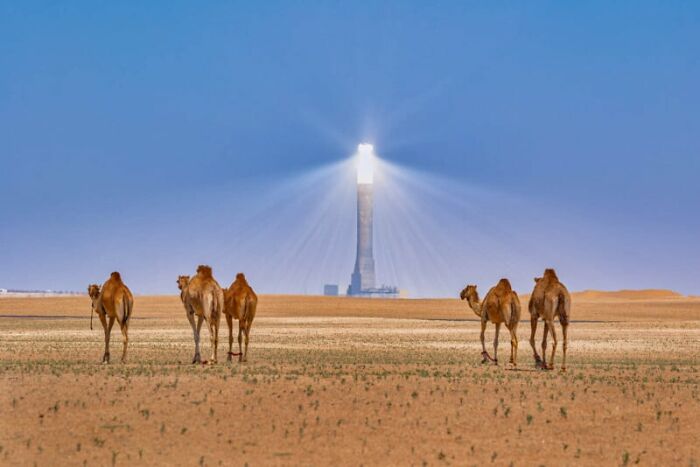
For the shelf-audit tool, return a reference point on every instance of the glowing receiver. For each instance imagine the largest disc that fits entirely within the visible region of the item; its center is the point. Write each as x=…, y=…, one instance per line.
x=365, y=164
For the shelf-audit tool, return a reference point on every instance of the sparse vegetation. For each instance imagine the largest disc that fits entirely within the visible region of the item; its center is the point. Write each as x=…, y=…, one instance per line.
x=313, y=385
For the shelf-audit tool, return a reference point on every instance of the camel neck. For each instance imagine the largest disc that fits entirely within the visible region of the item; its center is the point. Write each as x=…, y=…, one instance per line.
x=475, y=305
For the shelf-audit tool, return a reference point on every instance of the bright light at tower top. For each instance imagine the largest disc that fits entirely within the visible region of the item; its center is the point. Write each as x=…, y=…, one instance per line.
x=365, y=164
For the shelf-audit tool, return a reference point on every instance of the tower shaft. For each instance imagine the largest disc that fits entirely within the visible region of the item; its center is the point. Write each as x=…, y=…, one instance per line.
x=363, y=275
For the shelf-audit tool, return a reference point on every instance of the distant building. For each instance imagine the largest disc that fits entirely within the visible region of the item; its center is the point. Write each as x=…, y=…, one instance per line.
x=330, y=290
x=384, y=291
x=3, y=291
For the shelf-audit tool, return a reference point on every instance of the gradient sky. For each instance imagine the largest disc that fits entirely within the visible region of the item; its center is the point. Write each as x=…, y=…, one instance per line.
x=119, y=120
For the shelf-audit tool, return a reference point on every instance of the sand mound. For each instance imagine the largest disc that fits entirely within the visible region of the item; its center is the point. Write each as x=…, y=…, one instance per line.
x=644, y=294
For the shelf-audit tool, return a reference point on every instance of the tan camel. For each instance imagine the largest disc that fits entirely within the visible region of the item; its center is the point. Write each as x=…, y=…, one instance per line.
x=240, y=303
x=500, y=306
x=202, y=296
x=115, y=301
x=549, y=299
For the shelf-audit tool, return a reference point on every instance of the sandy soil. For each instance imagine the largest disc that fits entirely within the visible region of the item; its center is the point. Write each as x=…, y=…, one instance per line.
x=342, y=381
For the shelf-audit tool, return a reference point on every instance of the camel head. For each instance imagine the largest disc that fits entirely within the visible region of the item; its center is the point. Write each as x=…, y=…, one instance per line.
x=94, y=293
x=537, y=279
x=470, y=294
x=182, y=282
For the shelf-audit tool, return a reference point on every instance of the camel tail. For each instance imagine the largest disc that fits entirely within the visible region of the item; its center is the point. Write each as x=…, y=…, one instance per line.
x=125, y=310
x=515, y=310
x=245, y=309
x=249, y=306
x=221, y=302
x=532, y=304
x=208, y=305
x=129, y=308
x=564, y=308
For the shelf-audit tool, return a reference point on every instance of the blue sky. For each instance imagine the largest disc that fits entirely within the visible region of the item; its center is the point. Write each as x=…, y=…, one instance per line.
x=125, y=126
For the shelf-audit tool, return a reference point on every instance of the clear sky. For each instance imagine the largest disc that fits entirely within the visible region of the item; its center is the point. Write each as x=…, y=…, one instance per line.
x=142, y=136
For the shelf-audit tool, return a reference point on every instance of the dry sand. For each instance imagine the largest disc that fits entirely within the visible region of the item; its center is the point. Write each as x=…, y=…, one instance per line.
x=349, y=381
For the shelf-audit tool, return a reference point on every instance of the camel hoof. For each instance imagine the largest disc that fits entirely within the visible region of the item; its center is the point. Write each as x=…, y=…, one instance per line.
x=197, y=359
x=563, y=369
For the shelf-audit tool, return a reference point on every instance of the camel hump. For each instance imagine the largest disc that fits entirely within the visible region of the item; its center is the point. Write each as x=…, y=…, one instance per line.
x=549, y=273
x=240, y=278
x=204, y=271
x=505, y=285
x=116, y=276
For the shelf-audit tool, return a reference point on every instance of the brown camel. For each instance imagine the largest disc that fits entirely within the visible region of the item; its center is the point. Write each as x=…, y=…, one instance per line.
x=240, y=303
x=115, y=301
x=500, y=306
x=202, y=296
x=549, y=299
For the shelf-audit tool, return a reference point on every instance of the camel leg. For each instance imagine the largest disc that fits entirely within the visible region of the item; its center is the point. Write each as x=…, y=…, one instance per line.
x=197, y=335
x=484, y=353
x=125, y=338
x=229, y=321
x=247, y=336
x=495, y=344
x=103, y=320
x=190, y=318
x=214, y=334
x=565, y=333
x=544, y=346
x=108, y=332
x=514, y=345
x=240, y=341
x=533, y=331
x=554, y=345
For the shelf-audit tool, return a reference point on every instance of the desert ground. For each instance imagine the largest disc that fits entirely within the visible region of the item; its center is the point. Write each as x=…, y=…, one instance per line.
x=350, y=382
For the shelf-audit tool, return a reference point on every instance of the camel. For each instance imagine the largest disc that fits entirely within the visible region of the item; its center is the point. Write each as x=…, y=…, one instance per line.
x=113, y=300
x=500, y=306
x=549, y=299
x=240, y=303
x=202, y=296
